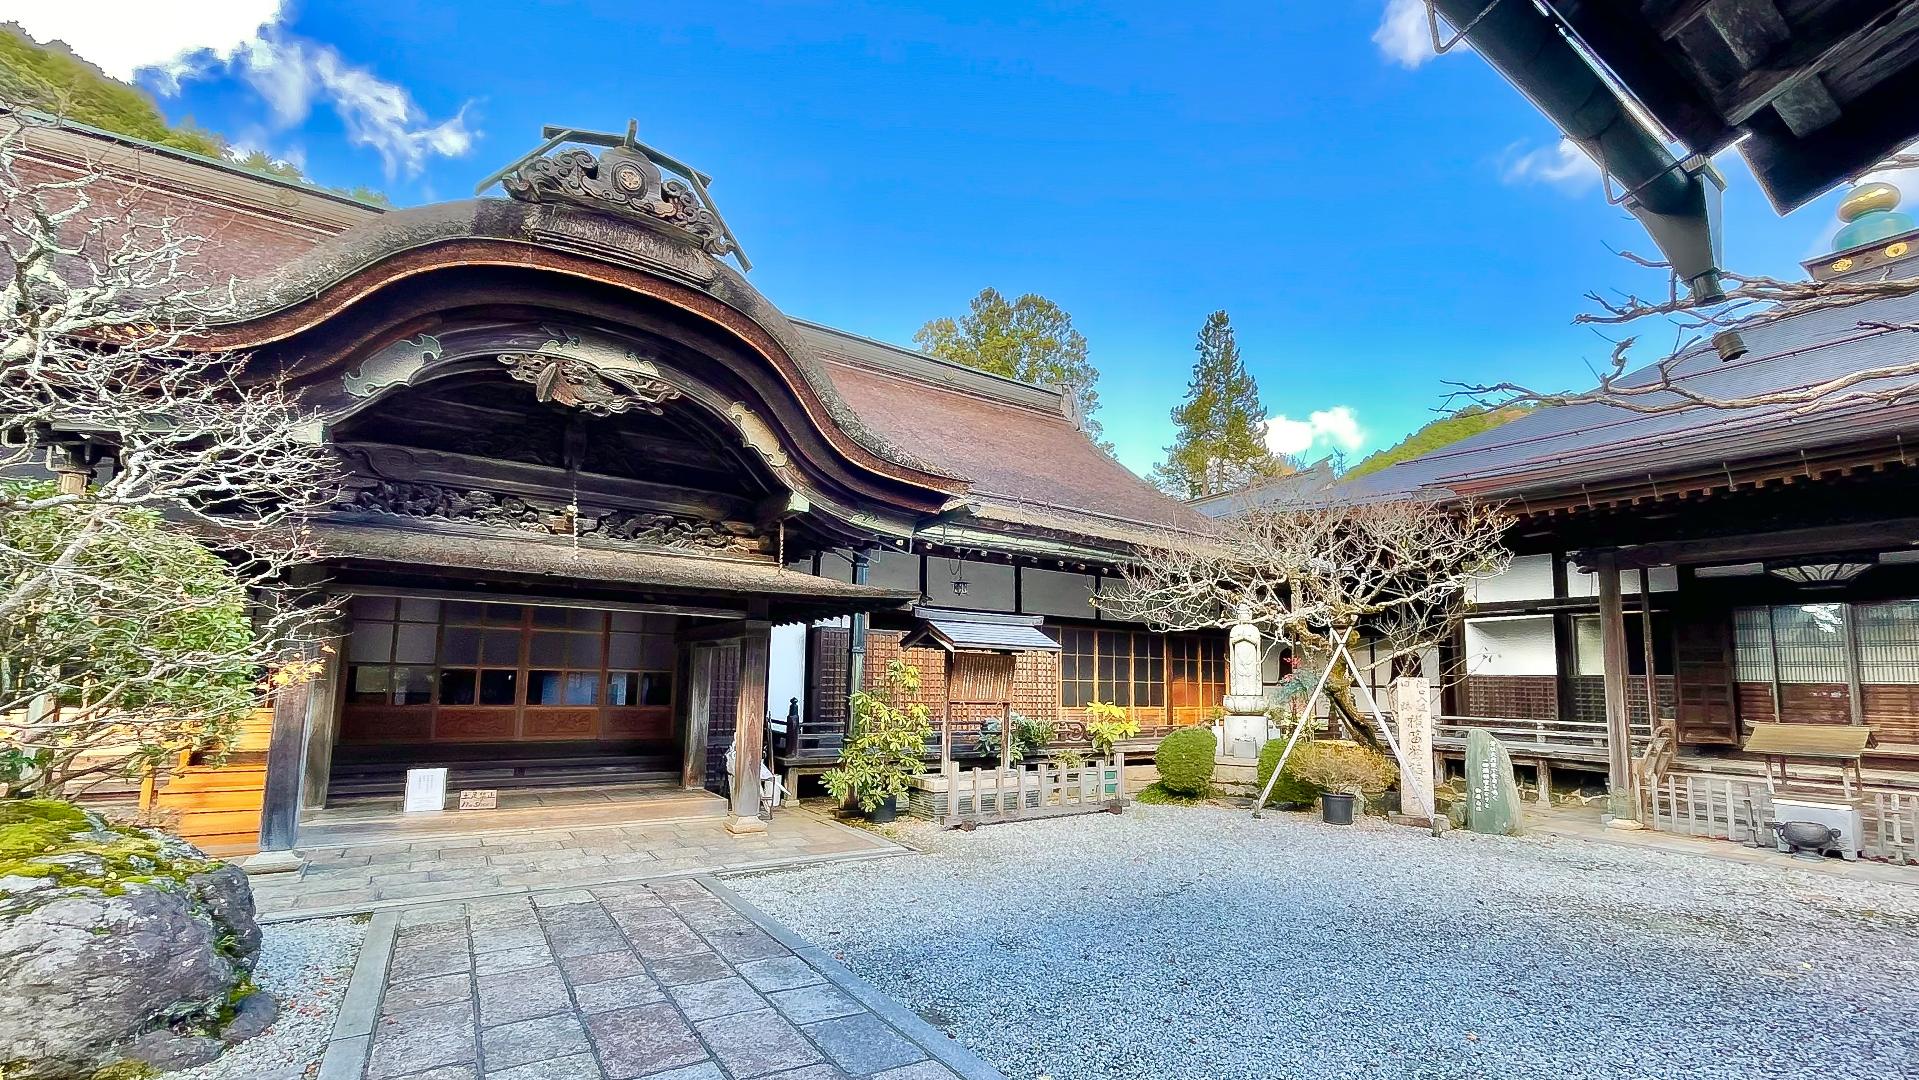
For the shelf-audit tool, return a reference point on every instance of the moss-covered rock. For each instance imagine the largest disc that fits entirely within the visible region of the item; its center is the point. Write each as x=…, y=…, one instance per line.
x=116, y=944
x=1185, y=760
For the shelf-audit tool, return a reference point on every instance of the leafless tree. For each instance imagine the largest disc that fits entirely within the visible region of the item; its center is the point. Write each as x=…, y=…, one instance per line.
x=102, y=664
x=1685, y=325
x=1395, y=571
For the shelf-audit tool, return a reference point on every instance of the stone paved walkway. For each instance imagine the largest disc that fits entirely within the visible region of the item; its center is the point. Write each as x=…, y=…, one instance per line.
x=373, y=876
x=672, y=980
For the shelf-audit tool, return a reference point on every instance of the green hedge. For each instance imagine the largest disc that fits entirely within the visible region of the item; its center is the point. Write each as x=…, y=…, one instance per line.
x=1290, y=789
x=1185, y=760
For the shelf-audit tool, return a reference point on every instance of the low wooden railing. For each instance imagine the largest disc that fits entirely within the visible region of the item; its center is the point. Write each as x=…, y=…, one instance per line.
x=1733, y=808
x=954, y=796
x=1575, y=739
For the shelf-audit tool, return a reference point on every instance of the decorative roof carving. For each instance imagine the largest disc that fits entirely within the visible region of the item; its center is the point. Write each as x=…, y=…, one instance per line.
x=581, y=384
x=394, y=365
x=477, y=506
x=624, y=178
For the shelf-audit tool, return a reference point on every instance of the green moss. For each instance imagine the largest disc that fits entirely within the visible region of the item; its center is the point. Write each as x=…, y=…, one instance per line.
x=125, y=1070
x=1160, y=795
x=36, y=833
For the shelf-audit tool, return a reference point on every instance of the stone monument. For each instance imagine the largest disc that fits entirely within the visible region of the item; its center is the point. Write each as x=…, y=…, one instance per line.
x=1492, y=795
x=1412, y=706
x=1244, y=726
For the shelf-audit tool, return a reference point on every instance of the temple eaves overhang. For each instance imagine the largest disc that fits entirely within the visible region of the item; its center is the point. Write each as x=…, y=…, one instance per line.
x=788, y=594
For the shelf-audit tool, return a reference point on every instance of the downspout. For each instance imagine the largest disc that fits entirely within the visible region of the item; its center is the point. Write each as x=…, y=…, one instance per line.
x=1677, y=202
x=856, y=643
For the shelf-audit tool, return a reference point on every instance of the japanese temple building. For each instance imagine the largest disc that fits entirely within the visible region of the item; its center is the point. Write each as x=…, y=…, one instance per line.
x=1700, y=572
x=610, y=509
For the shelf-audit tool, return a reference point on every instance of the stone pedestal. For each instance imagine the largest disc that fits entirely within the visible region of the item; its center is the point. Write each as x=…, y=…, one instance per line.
x=1241, y=735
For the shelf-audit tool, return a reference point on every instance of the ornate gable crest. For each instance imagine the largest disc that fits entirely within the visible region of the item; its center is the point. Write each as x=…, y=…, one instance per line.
x=596, y=377
x=626, y=178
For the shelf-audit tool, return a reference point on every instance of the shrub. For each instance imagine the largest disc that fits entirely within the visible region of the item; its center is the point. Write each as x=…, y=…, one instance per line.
x=1029, y=737
x=1185, y=760
x=1290, y=790
x=888, y=744
x=1107, y=724
x=1335, y=765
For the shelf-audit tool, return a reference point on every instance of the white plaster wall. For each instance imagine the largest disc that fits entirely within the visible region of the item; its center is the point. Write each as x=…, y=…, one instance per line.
x=1662, y=579
x=1055, y=592
x=786, y=669
x=1530, y=577
x=1517, y=646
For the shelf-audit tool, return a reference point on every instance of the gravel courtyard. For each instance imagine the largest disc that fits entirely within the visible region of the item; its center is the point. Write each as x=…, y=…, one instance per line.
x=1176, y=942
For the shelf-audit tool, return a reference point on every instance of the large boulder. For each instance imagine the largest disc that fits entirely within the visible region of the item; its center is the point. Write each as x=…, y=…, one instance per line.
x=116, y=944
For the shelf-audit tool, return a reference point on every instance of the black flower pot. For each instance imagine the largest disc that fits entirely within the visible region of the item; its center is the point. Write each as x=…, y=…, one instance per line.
x=1336, y=808
x=885, y=812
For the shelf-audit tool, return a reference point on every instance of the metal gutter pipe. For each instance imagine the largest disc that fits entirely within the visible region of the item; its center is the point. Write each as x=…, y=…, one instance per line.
x=1677, y=202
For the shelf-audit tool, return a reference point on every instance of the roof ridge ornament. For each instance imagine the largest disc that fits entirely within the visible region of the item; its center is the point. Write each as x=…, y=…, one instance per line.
x=626, y=177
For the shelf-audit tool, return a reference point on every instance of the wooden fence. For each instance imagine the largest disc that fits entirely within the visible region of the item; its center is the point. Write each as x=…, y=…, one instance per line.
x=955, y=796
x=1731, y=808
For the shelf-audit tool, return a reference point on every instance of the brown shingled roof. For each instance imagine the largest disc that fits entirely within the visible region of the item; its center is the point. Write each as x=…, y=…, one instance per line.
x=1006, y=450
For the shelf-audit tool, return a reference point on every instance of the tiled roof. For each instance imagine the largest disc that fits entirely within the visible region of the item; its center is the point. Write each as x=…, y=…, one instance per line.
x=1012, y=441
x=1562, y=448
x=1012, y=453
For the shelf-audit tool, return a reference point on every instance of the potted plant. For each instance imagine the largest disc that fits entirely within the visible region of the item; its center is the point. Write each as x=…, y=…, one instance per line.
x=1029, y=737
x=1344, y=771
x=887, y=746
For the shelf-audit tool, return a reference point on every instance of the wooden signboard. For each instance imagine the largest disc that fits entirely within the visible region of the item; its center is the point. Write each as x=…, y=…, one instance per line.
x=479, y=799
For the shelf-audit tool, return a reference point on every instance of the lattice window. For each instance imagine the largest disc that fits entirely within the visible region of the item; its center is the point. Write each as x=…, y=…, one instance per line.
x=1752, y=644
x=1888, y=641
x=1198, y=670
x=1811, y=642
x=391, y=652
x=1076, y=667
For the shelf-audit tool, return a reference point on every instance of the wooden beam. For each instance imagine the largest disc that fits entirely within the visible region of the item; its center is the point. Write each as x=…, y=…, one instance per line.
x=1836, y=41
x=1892, y=534
x=1612, y=638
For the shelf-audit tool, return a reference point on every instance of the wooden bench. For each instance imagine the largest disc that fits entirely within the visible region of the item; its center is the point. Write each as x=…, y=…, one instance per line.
x=1840, y=745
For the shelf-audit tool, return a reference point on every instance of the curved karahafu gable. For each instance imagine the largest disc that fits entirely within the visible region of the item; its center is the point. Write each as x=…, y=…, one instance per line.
x=599, y=311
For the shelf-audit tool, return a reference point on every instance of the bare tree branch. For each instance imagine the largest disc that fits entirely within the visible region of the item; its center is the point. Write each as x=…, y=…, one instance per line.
x=115, y=622
x=1672, y=382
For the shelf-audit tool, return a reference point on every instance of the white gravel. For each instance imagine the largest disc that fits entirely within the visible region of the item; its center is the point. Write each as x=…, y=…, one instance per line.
x=305, y=966
x=1175, y=942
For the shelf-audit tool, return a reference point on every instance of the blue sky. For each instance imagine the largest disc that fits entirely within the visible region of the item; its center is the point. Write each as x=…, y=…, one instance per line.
x=1375, y=222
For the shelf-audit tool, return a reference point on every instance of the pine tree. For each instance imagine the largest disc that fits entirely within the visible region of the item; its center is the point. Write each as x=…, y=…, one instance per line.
x=1220, y=445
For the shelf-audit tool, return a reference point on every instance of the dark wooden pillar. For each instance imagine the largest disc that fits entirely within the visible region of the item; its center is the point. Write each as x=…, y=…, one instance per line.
x=856, y=639
x=280, y=809
x=1612, y=640
x=749, y=736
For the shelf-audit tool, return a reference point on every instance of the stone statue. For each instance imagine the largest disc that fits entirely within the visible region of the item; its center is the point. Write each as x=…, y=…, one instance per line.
x=1244, y=726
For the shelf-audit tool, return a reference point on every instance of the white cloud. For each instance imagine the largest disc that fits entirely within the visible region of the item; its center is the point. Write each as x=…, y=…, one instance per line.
x=125, y=36
x=291, y=75
x=1335, y=428
x=1563, y=165
x=169, y=42
x=1404, y=36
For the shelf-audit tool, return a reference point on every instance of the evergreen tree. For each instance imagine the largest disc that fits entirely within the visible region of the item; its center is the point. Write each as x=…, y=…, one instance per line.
x=1221, y=439
x=1030, y=339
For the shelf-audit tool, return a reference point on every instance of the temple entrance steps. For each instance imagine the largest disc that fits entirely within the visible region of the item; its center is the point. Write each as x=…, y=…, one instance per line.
x=381, y=771
x=378, y=820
